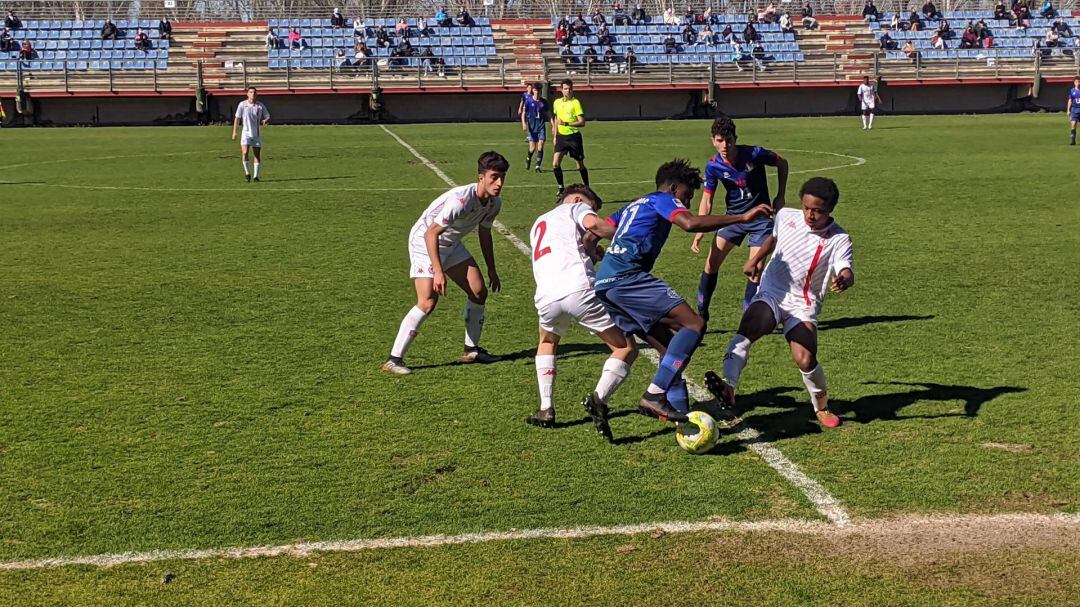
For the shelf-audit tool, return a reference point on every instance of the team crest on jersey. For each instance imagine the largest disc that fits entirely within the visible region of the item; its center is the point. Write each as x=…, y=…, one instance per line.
x=749, y=166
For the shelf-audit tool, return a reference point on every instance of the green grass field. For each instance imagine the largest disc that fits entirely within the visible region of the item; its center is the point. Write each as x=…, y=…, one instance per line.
x=190, y=361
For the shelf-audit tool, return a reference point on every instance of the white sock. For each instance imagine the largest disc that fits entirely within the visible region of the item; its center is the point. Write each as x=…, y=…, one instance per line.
x=474, y=323
x=655, y=389
x=738, y=352
x=246, y=171
x=407, y=332
x=257, y=165
x=614, y=374
x=871, y=125
x=545, y=378
x=864, y=121
x=815, y=385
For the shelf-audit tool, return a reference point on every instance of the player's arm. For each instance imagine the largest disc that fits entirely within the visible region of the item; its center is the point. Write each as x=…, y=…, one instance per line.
x=844, y=277
x=753, y=266
x=266, y=116
x=704, y=208
x=236, y=123
x=487, y=248
x=579, y=121
x=781, y=182
x=689, y=222
x=431, y=242
x=599, y=228
x=591, y=243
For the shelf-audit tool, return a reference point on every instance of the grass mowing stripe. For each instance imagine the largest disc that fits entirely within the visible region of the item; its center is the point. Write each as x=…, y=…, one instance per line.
x=981, y=527
x=825, y=503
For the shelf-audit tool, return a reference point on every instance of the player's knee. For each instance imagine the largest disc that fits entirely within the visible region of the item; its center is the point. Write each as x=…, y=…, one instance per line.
x=479, y=296
x=695, y=323
x=427, y=306
x=805, y=361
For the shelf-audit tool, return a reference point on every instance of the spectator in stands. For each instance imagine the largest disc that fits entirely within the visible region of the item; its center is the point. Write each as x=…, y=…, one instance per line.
x=406, y=48
x=337, y=20
x=768, y=15
x=808, y=21
x=759, y=56
x=442, y=19
x=401, y=28
x=6, y=43
x=27, y=52
x=1047, y=11
x=1000, y=12
x=1063, y=28
x=638, y=16
x=870, y=12
x=751, y=18
x=689, y=35
x=786, y=26
x=930, y=11
x=915, y=22
x=709, y=17
x=598, y=18
x=358, y=28
x=610, y=56
x=629, y=59
x=569, y=59
x=422, y=28
x=295, y=39
x=429, y=60
x=109, y=31
x=164, y=28
x=604, y=37
x=562, y=35
x=580, y=27
x=590, y=55
x=937, y=41
x=382, y=37
x=272, y=40
x=1022, y=15
x=886, y=42
x=707, y=35
x=969, y=39
x=749, y=34
x=464, y=18
x=895, y=24
x=909, y=51
x=341, y=60
x=737, y=55
x=669, y=16
x=397, y=57
x=12, y=22
x=727, y=34
x=670, y=47
x=945, y=31
x=1053, y=39
x=142, y=41
x=620, y=18
x=564, y=23
x=362, y=56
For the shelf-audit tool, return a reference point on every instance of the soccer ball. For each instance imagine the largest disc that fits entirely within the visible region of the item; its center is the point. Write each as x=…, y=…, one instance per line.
x=698, y=435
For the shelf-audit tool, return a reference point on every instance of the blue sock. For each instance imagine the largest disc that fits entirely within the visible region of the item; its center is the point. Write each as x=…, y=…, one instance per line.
x=678, y=396
x=748, y=294
x=678, y=354
x=705, y=289
x=539, y=158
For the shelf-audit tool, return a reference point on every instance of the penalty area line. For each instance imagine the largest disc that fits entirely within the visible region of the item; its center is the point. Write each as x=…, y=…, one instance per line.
x=824, y=502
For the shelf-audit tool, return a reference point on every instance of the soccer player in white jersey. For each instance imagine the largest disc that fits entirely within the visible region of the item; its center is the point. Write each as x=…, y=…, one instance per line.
x=563, y=242
x=868, y=99
x=812, y=255
x=254, y=115
x=436, y=253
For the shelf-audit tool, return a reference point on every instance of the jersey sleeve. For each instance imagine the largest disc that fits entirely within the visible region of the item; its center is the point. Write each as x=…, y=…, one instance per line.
x=842, y=255
x=579, y=212
x=489, y=217
x=451, y=207
x=668, y=207
x=613, y=219
x=761, y=155
x=712, y=177
x=265, y=112
x=240, y=110
x=578, y=110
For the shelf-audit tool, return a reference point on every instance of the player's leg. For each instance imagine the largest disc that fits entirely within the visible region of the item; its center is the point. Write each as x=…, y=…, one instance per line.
x=718, y=252
x=532, y=148
x=426, y=300
x=256, y=151
x=863, y=117
x=584, y=170
x=758, y=320
x=870, y=120
x=751, y=288
x=544, y=416
x=244, y=159
x=802, y=336
x=466, y=275
x=539, y=151
x=556, y=169
x=1072, y=132
x=676, y=356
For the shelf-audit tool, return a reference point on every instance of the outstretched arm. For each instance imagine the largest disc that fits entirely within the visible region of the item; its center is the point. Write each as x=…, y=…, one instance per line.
x=487, y=247
x=600, y=228
x=707, y=223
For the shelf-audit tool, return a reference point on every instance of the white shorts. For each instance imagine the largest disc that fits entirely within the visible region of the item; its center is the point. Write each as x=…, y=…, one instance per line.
x=420, y=263
x=786, y=314
x=583, y=306
x=251, y=142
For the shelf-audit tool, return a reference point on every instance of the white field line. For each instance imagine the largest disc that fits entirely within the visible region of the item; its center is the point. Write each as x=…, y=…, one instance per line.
x=827, y=505
x=949, y=524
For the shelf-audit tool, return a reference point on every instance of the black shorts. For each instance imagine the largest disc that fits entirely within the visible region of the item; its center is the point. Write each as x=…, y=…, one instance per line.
x=570, y=145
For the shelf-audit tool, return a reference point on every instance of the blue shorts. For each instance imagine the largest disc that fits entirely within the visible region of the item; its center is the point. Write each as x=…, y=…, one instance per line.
x=637, y=303
x=536, y=132
x=758, y=231
x=1074, y=116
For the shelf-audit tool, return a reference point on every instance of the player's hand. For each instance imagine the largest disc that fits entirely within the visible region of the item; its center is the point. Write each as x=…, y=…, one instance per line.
x=778, y=202
x=234, y=136
x=493, y=282
x=523, y=127
x=842, y=281
x=696, y=245
x=438, y=283
x=752, y=270
x=761, y=210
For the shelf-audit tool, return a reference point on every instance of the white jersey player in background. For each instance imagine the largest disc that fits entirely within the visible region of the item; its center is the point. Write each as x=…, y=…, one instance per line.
x=868, y=100
x=436, y=253
x=812, y=255
x=253, y=114
x=562, y=243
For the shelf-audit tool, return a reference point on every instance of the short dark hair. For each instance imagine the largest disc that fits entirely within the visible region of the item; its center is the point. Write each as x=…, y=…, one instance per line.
x=567, y=82
x=492, y=161
x=823, y=188
x=585, y=191
x=723, y=126
x=676, y=172
x=251, y=88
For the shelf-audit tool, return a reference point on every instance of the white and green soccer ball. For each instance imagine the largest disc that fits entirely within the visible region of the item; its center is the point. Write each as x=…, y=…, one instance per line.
x=698, y=435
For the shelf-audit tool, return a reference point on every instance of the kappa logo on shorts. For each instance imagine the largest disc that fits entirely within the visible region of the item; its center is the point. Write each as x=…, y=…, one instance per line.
x=672, y=294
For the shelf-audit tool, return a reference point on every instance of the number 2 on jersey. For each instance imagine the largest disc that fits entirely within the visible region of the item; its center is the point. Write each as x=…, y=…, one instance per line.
x=538, y=233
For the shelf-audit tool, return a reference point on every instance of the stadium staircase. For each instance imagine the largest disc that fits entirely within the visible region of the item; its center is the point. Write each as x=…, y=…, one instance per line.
x=524, y=42
x=220, y=48
x=847, y=40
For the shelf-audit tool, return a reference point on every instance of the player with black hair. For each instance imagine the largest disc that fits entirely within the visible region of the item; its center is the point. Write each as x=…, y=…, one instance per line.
x=740, y=169
x=643, y=305
x=436, y=252
x=812, y=255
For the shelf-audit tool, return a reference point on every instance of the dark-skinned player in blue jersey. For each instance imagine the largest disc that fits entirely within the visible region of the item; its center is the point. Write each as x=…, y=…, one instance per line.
x=740, y=169
x=643, y=305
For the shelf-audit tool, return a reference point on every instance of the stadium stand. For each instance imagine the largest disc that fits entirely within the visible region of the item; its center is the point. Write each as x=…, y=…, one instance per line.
x=78, y=45
x=1007, y=41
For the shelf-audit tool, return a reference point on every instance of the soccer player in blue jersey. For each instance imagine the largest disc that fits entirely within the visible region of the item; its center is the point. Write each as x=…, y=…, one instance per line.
x=534, y=117
x=1073, y=109
x=643, y=305
x=740, y=169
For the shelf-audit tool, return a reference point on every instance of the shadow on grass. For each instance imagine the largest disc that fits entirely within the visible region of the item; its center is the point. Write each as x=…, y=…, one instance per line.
x=848, y=322
x=565, y=351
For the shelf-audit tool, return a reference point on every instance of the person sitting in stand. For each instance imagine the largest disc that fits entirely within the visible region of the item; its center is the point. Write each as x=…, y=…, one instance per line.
x=638, y=15
x=142, y=41
x=295, y=39
x=669, y=16
x=689, y=35
x=401, y=28
x=629, y=59
x=944, y=30
x=579, y=27
x=1063, y=28
x=619, y=17
x=429, y=60
x=737, y=54
x=562, y=35
x=768, y=15
x=12, y=22
x=930, y=11
x=272, y=40
x=1053, y=39
x=909, y=51
x=886, y=42
x=749, y=34
x=164, y=28
x=1047, y=11
x=109, y=30
x=870, y=12
x=727, y=35
x=604, y=37
x=670, y=47
x=707, y=35
x=6, y=42
x=1022, y=15
x=758, y=55
x=382, y=37
x=338, y=20
x=808, y=20
x=936, y=41
x=442, y=19
x=569, y=59
x=464, y=18
x=27, y=52
x=362, y=56
x=406, y=48
x=709, y=17
x=915, y=22
x=423, y=29
x=598, y=18
x=341, y=60
x=590, y=55
x=786, y=26
x=969, y=39
x=610, y=56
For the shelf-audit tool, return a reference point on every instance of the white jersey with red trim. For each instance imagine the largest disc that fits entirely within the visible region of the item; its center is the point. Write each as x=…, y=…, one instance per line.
x=804, y=261
x=459, y=211
x=560, y=265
